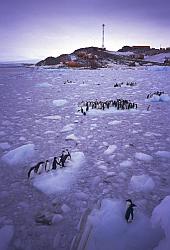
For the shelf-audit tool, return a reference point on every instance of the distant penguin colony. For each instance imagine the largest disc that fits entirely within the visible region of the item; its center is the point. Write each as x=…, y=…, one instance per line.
x=119, y=104
x=60, y=160
x=131, y=84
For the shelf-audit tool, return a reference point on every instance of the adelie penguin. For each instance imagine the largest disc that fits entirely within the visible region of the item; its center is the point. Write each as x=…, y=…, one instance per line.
x=36, y=168
x=129, y=211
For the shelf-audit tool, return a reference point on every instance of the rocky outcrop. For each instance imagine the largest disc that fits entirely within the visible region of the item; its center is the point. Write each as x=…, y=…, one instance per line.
x=94, y=57
x=91, y=57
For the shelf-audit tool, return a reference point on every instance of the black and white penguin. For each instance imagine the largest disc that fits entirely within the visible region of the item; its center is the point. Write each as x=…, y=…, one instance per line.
x=129, y=210
x=47, y=166
x=37, y=168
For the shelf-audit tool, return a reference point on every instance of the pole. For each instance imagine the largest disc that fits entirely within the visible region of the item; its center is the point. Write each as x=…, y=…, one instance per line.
x=103, y=25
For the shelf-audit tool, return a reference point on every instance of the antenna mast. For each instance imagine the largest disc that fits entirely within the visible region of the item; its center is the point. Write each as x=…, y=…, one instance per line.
x=103, y=25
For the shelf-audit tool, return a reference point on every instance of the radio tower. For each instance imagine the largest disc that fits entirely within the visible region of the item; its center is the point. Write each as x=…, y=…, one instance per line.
x=103, y=25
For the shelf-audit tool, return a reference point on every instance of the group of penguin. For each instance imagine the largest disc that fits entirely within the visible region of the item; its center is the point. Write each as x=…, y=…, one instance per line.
x=119, y=104
x=60, y=160
x=131, y=84
x=159, y=93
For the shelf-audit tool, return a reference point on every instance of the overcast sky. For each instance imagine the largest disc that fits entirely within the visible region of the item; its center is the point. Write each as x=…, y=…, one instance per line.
x=40, y=28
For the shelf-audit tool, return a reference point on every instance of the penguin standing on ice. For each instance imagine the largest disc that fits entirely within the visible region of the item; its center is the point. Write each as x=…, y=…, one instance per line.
x=129, y=210
x=37, y=168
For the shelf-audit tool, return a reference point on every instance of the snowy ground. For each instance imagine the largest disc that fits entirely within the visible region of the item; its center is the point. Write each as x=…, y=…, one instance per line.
x=116, y=156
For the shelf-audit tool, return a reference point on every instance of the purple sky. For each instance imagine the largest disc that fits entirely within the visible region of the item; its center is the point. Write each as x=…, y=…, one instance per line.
x=40, y=28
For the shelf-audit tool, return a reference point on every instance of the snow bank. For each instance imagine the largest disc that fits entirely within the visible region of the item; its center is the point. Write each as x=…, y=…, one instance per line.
x=143, y=157
x=59, y=102
x=6, y=234
x=62, y=178
x=164, y=154
x=107, y=229
x=110, y=150
x=142, y=183
x=160, y=216
x=20, y=155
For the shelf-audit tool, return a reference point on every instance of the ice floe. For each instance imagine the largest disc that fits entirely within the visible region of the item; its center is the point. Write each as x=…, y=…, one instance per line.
x=114, y=122
x=126, y=163
x=4, y=145
x=53, y=117
x=60, y=102
x=142, y=183
x=71, y=137
x=163, y=154
x=110, y=150
x=143, y=157
x=68, y=127
x=43, y=85
x=160, y=217
x=106, y=228
x=62, y=178
x=20, y=155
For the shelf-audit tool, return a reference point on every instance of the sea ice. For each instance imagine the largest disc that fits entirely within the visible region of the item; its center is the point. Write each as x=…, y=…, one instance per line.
x=143, y=157
x=142, y=183
x=20, y=155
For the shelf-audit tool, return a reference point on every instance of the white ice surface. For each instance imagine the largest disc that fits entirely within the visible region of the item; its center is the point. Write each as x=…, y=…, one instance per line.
x=20, y=155
x=61, y=178
x=160, y=217
x=142, y=183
